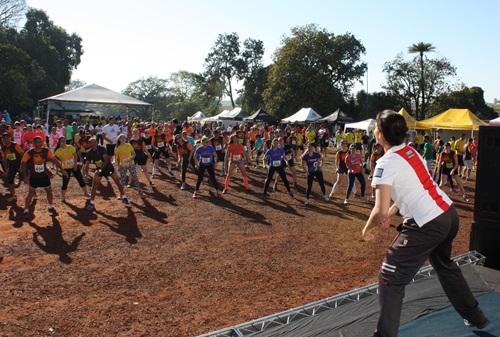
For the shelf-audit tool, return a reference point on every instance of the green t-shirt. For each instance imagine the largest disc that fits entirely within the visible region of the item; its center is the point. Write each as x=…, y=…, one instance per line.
x=428, y=155
x=69, y=132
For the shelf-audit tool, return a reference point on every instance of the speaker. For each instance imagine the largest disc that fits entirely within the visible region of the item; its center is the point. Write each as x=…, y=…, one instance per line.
x=487, y=200
x=485, y=238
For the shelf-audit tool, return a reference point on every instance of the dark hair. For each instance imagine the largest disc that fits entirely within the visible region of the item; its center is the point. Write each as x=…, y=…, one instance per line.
x=393, y=126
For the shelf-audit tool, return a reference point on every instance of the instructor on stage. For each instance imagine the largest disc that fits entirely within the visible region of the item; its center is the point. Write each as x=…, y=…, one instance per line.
x=430, y=224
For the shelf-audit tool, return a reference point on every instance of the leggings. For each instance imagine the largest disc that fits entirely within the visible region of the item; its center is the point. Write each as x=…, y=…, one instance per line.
x=361, y=179
x=211, y=176
x=310, y=179
x=184, y=167
x=78, y=176
x=270, y=175
x=133, y=174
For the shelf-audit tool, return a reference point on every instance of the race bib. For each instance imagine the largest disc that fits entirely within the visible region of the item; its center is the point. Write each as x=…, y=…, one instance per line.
x=11, y=156
x=149, y=147
x=237, y=157
x=206, y=160
x=449, y=165
x=161, y=144
x=218, y=147
x=276, y=163
x=70, y=163
x=39, y=168
x=294, y=142
x=98, y=163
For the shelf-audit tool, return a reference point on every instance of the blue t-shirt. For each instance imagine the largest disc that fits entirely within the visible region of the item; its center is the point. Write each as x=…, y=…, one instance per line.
x=312, y=160
x=258, y=143
x=190, y=140
x=274, y=156
x=205, y=155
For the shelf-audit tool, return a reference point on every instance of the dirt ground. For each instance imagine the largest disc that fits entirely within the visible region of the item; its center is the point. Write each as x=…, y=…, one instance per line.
x=173, y=266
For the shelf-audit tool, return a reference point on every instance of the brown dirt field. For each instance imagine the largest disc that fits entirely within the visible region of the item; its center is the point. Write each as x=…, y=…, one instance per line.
x=173, y=266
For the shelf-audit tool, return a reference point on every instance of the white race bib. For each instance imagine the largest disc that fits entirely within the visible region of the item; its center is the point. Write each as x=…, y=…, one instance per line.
x=206, y=160
x=276, y=163
x=218, y=147
x=237, y=157
x=70, y=162
x=39, y=168
x=161, y=144
x=149, y=147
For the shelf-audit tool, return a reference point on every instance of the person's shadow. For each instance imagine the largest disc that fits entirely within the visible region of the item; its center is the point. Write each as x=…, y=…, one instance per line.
x=50, y=240
x=124, y=226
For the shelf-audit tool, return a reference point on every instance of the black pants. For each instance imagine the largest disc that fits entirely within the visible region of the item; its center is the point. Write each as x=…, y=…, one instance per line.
x=310, y=179
x=211, y=176
x=270, y=175
x=407, y=254
x=78, y=176
x=184, y=167
x=361, y=179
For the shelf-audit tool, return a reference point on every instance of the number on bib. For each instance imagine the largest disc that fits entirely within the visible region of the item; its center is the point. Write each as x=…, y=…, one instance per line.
x=161, y=144
x=218, y=147
x=39, y=168
x=149, y=147
x=276, y=163
x=11, y=156
x=237, y=157
x=70, y=163
x=206, y=160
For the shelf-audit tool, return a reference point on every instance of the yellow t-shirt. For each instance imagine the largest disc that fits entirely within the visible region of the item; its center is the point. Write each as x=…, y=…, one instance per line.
x=458, y=147
x=311, y=136
x=349, y=138
x=124, y=154
x=358, y=137
x=299, y=138
x=66, y=156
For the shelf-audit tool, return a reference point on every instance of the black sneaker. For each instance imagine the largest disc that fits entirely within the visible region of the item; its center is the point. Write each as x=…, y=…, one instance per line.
x=52, y=211
x=89, y=206
x=481, y=325
x=125, y=200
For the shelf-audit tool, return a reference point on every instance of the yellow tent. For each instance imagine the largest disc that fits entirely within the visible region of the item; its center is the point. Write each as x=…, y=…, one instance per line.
x=452, y=119
x=411, y=122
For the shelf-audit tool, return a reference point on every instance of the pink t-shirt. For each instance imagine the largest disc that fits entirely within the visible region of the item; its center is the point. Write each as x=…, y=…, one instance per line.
x=354, y=162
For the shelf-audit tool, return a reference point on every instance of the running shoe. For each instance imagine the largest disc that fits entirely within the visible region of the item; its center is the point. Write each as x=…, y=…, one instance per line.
x=89, y=205
x=481, y=325
x=327, y=198
x=52, y=210
x=306, y=202
x=346, y=202
x=224, y=191
x=26, y=212
x=194, y=195
x=125, y=200
x=331, y=196
x=183, y=186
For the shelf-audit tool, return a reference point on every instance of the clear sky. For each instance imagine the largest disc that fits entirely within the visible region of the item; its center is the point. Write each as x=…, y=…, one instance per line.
x=129, y=39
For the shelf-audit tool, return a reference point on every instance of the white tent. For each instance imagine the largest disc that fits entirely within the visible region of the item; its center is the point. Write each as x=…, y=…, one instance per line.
x=237, y=113
x=303, y=115
x=198, y=116
x=495, y=122
x=366, y=125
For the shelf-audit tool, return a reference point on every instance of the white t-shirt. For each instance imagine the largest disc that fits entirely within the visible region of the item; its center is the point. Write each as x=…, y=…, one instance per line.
x=413, y=191
x=111, y=132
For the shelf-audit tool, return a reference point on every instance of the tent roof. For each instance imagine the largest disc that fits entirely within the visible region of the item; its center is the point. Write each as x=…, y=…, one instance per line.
x=197, y=116
x=363, y=125
x=336, y=116
x=303, y=115
x=411, y=122
x=261, y=116
x=453, y=119
x=235, y=114
x=495, y=121
x=96, y=94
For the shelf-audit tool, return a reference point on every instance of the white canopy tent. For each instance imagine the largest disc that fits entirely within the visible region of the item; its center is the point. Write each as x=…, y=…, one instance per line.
x=367, y=125
x=303, y=115
x=495, y=122
x=198, y=116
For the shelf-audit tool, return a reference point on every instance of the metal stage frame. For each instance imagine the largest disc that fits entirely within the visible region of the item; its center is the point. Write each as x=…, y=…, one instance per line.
x=330, y=303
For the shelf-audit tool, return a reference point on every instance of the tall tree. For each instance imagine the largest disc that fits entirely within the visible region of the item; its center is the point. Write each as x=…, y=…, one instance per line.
x=403, y=79
x=421, y=48
x=11, y=11
x=75, y=84
x=315, y=68
x=253, y=74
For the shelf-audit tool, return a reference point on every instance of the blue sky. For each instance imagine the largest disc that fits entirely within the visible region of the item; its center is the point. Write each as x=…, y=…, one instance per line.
x=129, y=39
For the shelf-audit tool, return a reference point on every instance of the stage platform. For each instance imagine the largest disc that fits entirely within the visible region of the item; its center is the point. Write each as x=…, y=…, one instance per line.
x=426, y=310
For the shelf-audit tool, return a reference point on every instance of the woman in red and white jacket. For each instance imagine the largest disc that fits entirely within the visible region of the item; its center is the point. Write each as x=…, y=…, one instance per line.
x=354, y=163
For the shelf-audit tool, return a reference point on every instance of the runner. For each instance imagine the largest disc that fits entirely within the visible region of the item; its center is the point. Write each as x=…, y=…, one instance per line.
x=219, y=144
x=162, y=148
x=205, y=159
x=11, y=156
x=67, y=156
x=235, y=156
x=184, y=150
x=354, y=163
x=378, y=152
x=288, y=160
x=36, y=175
x=341, y=170
x=468, y=148
x=140, y=143
x=428, y=152
x=258, y=149
x=314, y=162
x=98, y=155
x=430, y=224
x=449, y=168
x=274, y=160
x=125, y=154
x=110, y=134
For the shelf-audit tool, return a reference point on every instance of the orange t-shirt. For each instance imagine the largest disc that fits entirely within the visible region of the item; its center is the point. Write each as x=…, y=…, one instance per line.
x=184, y=149
x=236, y=151
x=151, y=132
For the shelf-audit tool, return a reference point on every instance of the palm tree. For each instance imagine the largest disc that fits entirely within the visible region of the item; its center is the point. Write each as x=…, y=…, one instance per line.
x=421, y=48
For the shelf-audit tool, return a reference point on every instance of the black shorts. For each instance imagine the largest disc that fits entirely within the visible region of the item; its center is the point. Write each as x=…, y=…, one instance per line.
x=110, y=149
x=323, y=143
x=106, y=171
x=11, y=174
x=342, y=169
x=39, y=181
x=460, y=160
x=140, y=158
x=447, y=171
x=159, y=152
x=83, y=155
x=221, y=155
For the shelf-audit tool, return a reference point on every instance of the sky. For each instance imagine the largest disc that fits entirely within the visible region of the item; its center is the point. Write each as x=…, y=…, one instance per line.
x=128, y=39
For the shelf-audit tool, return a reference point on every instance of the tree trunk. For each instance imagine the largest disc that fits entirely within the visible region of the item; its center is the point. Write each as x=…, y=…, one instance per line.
x=231, y=93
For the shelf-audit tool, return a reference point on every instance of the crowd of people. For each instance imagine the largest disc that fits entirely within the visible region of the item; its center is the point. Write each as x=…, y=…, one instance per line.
x=118, y=150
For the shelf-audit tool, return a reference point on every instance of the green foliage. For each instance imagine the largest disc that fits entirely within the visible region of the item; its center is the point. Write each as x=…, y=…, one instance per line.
x=75, y=84
x=369, y=105
x=313, y=68
x=11, y=11
x=403, y=80
x=49, y=54
x=466, y=98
